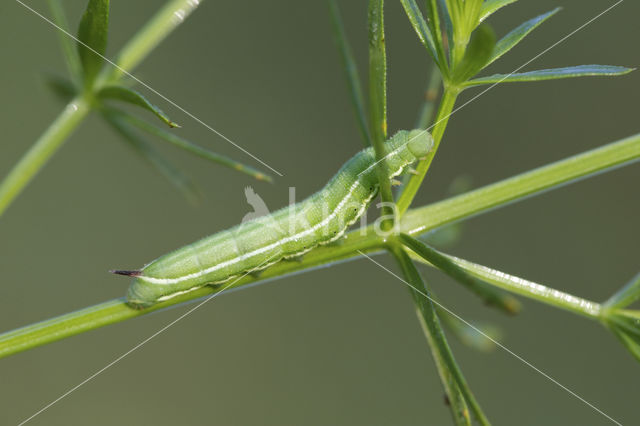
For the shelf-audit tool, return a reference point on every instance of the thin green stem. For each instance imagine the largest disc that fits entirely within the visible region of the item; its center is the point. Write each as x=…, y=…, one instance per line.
x=50, y=141
x=163, y=22
x=499, y=194
x=506, y=303
x=458, y=405
x=415, y=222
x=350, y=71
x=446, y=106
x=378, y=105
x=428, y=314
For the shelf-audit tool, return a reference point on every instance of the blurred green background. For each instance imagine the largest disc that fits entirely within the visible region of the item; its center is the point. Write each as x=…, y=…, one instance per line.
x=340, y=345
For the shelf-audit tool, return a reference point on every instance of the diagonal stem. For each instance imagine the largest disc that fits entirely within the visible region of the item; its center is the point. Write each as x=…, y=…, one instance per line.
x=38, y=155
x=442, y=119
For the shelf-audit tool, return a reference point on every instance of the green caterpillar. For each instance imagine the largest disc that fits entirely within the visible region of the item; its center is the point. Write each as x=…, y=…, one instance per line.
x=286, y=233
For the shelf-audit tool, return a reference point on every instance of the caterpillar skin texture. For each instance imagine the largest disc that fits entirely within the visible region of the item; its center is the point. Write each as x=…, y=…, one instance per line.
x=286, y=233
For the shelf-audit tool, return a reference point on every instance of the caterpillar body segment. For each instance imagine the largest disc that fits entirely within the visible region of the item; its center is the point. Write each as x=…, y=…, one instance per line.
x=287, y=233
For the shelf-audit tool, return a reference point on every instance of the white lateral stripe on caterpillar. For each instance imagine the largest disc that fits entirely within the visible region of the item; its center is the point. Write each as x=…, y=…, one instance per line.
x=245, y=256
x=317, y=220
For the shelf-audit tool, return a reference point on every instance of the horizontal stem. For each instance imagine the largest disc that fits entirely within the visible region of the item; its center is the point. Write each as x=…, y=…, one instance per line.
x=42, y=150
x=415, y=222
x=117, y=310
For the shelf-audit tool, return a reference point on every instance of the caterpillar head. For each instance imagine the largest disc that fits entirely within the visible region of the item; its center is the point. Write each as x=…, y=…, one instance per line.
x=419, y=142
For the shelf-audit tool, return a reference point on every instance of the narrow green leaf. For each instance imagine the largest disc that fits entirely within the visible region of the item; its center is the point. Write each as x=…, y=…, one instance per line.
x=627, y=329
x=626, y=295
x=514, y=37
x=92, y=33
x=61, y=87
x=448, y=23
x=470, y=336
x=421, y=28
x=552, y=74
x=477, y=54
x=433, y=19
x=69, y=50
x=437, y=339
x=630, y=342
x=351, y=71
x=529, y=289
x=472, y=10
x=491, y=6
x=130, y=96
x=155, y=159
x=490, y=295
x=192, y=148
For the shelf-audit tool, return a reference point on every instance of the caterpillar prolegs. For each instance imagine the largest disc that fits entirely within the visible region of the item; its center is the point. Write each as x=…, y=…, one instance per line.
x=288, y=232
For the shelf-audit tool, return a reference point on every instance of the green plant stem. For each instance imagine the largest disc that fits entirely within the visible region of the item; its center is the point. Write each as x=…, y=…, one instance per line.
x=116, y=310
x=449, y=266
x=163, y=22
x=444, y=111
x=351, y=72
x=48, y=143
x=415, y=222
x=426, y=309
x=571, y=169
x=529, y=289
x=378, y=105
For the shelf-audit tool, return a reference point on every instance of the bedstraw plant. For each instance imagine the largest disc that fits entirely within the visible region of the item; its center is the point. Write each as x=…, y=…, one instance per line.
x=460, y=42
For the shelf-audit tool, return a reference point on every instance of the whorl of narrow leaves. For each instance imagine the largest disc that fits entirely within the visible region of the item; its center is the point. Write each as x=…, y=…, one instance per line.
x=471, y=44
x=92, y=34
